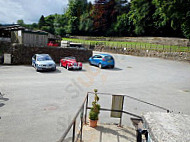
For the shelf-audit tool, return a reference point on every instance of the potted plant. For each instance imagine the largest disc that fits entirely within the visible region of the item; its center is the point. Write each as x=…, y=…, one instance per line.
x=95, y=110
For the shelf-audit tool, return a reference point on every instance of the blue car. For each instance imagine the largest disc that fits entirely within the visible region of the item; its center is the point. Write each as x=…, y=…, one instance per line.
x=102, y=60
x=43, y=62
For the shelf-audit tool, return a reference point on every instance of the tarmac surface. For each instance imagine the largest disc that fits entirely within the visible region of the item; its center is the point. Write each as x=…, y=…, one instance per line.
x=38, y=106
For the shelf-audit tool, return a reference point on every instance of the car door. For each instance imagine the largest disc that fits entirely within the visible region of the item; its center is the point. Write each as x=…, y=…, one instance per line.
x=64, y=62
x=34, y=60
x=93, y=59
x=97, y=60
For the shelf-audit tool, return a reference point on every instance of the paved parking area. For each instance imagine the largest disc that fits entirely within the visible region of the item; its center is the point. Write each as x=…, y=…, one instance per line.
x=38, y=106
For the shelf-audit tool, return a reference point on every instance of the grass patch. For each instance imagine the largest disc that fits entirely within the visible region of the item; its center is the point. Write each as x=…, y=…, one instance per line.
x=135, y=45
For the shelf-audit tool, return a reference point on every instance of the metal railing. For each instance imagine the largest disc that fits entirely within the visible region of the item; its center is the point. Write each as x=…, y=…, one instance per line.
x=83, y=115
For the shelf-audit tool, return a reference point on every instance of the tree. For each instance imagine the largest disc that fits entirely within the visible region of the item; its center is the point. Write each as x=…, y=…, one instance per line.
x=41, y=22
x=174, y=13
x=141, y=14
x=20, y=22
x=49, y=24
x=75, y=10
x=86, y=24
x=104, y=14
x=186, y=26
x=34, y=26
x=123, y=26
x=59, y=25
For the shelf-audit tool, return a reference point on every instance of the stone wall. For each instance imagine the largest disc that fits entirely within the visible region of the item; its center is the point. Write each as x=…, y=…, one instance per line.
x=179, y=56
x=23, y=55
x=4, y=47
x=153, y=40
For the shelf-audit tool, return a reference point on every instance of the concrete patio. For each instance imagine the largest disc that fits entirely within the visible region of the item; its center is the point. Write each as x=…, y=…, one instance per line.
x=108, y=133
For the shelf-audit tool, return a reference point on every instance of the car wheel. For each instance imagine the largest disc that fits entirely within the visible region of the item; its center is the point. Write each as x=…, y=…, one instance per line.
x=36, y=69
x=80, y=68
x=67, y=67
x=100, y=65
x=90, y=63
x=54, y=69
x=112, y=66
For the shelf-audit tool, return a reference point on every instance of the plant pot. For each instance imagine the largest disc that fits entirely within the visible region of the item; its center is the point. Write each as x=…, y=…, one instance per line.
x=93, y=123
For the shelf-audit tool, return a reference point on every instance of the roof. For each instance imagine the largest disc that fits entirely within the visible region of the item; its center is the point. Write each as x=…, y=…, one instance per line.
x=11, y=27
x=42, y=54
x=35, y=32
x=105, y=54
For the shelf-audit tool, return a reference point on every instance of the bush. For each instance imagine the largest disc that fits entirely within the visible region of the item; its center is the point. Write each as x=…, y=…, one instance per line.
x=95, y=110
x=93, y=115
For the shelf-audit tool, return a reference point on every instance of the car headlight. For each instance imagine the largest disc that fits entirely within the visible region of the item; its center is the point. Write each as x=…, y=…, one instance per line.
x=39, y=65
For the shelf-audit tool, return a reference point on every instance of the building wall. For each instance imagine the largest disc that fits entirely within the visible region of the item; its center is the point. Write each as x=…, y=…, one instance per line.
x=16, y=37
x=29, y=38
x=32, y=39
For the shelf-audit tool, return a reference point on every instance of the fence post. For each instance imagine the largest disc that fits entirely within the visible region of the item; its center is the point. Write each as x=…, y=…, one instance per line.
x=73, y=139
x=81, y=117
x=121, y=113
x=86, y=110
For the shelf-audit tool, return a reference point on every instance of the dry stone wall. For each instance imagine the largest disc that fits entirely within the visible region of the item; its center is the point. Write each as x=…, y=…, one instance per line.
x=153, y=40
x=179, y=56
x=23, y=55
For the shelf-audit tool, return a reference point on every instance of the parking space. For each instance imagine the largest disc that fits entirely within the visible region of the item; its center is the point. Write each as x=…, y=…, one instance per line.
x=40, y=105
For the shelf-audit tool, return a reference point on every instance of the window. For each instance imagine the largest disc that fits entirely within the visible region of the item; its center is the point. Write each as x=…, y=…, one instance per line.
x=108, y=57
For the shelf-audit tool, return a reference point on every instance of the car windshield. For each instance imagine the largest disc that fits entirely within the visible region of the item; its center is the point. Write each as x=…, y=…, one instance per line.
x=44, y=58
x=108, y=57
x=69, y=58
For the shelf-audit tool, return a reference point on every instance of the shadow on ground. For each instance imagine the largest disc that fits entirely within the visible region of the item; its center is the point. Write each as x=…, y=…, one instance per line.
x=114, y=69
x=51, y=72
x=104, y=130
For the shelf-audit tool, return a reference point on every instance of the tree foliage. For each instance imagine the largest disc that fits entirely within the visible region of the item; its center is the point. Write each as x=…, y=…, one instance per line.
x=175, y=13
x=20, y=22
x=119, y=18
x=41, y=22
x=141, y=15
x=123, y=26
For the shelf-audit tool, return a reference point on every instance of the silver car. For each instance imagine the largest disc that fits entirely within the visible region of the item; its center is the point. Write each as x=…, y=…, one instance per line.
x=43, y=62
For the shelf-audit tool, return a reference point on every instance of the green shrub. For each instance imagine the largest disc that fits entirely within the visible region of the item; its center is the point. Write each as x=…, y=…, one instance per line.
x=95, y=110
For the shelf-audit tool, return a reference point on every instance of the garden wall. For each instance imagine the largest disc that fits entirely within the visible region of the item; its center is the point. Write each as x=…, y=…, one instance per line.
x=179, y=56
x=153, y=40
x=23, y=55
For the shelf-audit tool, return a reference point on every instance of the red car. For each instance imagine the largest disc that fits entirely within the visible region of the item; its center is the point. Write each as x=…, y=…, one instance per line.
x=70, y=63
x=52, y=43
